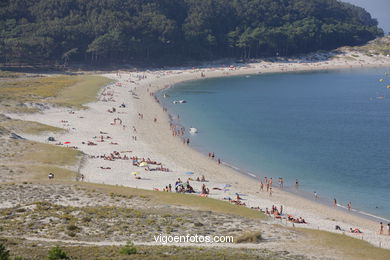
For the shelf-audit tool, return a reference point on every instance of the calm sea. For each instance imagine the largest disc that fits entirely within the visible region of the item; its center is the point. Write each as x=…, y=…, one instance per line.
x=328, y=129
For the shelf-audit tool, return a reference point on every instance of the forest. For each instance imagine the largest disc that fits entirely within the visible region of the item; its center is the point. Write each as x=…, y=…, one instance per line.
x=126, y=31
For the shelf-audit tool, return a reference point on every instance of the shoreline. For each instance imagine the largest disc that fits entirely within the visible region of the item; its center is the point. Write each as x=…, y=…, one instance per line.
x=305, y=194
x=154, y=140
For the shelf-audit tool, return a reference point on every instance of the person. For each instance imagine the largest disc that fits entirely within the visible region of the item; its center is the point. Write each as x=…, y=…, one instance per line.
x=356, y=230
x=381, y=228
x=349, y=206
x=270, y=191
x=334, y=202
x=388, y=229
x=338, y=227
x=50, y=176
x=316, y=195
x=296, y=183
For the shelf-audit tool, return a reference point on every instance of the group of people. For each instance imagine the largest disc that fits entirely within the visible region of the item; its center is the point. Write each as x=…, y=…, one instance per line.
x=183, y=187
x=381, y=231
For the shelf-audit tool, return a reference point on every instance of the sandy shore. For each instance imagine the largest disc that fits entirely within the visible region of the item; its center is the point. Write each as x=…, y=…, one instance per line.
x=154, y=140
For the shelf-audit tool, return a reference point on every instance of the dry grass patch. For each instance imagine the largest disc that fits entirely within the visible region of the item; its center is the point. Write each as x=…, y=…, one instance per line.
x=49, y=154
x=190, y=201
x=71, y=91
x=251, y=237
x=28, y=127
x=82, y=92
x=348, y=247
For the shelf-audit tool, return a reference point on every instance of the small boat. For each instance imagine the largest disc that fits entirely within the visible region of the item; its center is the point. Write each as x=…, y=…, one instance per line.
x=182, y=101
x=193, y=130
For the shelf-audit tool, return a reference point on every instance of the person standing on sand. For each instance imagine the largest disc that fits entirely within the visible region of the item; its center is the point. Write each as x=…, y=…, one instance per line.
x=349, y=206
x=388, y=229
x=270, y=194
x=334, y=202
x=381, y=229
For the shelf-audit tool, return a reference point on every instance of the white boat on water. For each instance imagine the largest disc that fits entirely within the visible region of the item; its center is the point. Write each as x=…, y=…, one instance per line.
x=193, y=130
x=179, y=101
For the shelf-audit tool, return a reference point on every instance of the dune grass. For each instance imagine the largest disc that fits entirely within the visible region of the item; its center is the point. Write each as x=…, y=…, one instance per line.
x=10, y=74
x=40, y=153
x=186, y=200
x=28, y=127
x=351, y=248
x=35, y=250
x=82, y=92
x=38, y=173
x=70, y=91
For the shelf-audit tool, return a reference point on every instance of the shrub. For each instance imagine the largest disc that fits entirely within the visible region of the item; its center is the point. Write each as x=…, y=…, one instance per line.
x=57, y=253
x=128, y=249
x=252, y=237
x=4, y=253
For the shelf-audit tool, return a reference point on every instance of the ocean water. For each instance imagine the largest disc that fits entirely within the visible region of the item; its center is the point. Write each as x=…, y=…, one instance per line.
x=328, y=129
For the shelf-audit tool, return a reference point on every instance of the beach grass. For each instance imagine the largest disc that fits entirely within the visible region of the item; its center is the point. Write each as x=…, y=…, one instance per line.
x=69, y=91
x=10, y=74
x=35, y=250
x=47, y=154
x=82, y=92
x=353, y=248
x=28, y=127
x=40, y=172
x=172, y=198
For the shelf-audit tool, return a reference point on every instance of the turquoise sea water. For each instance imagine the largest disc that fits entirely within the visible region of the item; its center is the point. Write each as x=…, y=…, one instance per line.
x=328, y=129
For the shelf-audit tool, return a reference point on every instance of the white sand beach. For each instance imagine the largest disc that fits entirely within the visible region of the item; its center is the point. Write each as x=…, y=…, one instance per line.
x=131, y=96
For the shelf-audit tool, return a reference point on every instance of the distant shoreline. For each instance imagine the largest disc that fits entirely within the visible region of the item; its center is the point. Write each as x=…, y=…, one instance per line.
x=302, y=193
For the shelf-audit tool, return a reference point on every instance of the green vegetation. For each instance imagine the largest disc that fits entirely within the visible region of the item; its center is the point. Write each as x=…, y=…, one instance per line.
x=30, y=250
x=99, y=31
x=355, y=248
x=375, y=47
x=202, y=203
x=251, y=237
x=29, y=160
x=82, y=92
x=9, y=74
x=128, y=249
x=72, y=91
x=4, y=253
x=56, y=253
x=48, y=154
x=28, y=127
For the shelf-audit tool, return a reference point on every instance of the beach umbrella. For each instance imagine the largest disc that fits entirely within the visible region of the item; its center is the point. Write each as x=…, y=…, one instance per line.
x=135, y=173
x=143, y=164
x=66, y=142
x=189, y=173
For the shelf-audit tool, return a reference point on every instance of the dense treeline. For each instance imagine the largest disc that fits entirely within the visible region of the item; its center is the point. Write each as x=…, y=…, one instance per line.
x=96, y=31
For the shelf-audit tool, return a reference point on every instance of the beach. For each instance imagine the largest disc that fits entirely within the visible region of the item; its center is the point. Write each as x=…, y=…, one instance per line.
x=127, y=119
